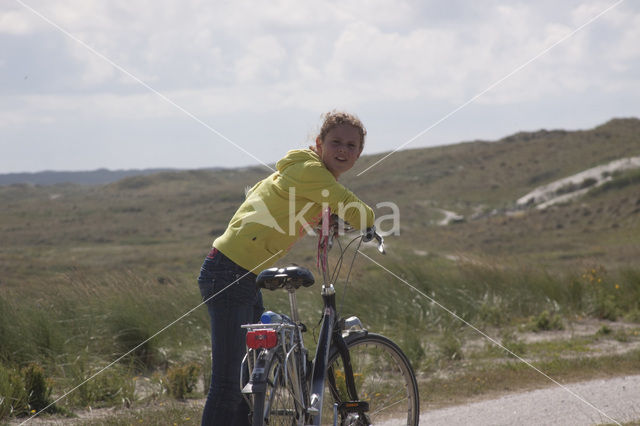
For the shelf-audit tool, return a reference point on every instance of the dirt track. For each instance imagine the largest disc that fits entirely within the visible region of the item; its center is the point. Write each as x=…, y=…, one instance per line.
x=618, y=398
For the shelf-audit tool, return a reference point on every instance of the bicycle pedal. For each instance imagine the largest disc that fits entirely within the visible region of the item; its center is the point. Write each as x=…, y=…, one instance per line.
x=354, y=406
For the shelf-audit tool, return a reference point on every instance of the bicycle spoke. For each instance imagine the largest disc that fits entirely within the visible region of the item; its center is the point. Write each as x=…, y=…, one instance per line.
x=388, y=406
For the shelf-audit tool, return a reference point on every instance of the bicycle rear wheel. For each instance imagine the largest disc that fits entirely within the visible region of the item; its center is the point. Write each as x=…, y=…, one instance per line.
x=383, y=377
x=276, y=406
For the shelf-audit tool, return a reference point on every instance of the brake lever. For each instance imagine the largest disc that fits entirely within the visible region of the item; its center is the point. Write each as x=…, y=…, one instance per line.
x=380, y=243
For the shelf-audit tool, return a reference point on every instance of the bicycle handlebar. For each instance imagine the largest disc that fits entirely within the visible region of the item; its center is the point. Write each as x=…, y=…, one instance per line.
x=337, y=226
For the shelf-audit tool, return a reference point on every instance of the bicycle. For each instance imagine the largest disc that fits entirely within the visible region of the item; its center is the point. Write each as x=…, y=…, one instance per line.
x=355, y=378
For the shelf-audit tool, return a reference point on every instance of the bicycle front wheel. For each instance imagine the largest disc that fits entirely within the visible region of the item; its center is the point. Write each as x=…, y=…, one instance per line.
x=276, y=406
x=384, y=379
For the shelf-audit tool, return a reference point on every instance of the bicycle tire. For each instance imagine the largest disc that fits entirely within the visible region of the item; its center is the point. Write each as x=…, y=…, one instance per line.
x=384, y=378
x=276, y=405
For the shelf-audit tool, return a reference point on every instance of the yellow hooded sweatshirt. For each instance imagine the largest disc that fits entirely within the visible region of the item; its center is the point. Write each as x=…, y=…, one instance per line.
x=280, y=209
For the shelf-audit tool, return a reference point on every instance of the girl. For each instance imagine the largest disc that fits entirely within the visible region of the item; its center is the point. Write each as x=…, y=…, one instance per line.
x=276, y=213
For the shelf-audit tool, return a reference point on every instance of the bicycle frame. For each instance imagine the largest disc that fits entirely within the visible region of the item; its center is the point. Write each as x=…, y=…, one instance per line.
x=329, y=318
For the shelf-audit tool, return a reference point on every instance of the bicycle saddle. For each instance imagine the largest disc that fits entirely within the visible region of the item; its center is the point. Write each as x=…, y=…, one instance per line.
x=289, y=277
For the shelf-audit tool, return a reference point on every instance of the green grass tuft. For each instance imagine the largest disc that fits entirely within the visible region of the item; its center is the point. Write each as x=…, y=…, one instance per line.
x=181, y=380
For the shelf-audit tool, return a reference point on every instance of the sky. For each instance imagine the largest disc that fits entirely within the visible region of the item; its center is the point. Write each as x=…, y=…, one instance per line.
x=133, y=84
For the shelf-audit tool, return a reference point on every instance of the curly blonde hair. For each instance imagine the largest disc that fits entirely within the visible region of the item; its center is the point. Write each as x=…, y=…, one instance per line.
x=335, y=118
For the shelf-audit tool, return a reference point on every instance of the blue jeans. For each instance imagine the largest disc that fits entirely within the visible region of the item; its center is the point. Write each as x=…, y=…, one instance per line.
x=239, y=302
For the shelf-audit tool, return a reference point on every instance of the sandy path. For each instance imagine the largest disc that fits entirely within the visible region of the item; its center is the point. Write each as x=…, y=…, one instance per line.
x=619, y=398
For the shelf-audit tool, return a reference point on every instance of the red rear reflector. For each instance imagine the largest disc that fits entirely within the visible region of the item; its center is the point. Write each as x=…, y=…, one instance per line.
x=262, y=339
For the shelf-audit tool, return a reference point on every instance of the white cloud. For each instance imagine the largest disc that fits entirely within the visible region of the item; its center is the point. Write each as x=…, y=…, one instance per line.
x=17, y=22
x=263, y=60
x=216, y=58
x=354, y=47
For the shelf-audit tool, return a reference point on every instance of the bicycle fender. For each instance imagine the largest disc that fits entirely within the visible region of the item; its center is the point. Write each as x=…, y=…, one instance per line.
x=258, y=380
x=341, y=346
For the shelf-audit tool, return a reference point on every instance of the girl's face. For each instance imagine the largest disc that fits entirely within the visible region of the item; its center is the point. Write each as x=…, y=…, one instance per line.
x=340, y=148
